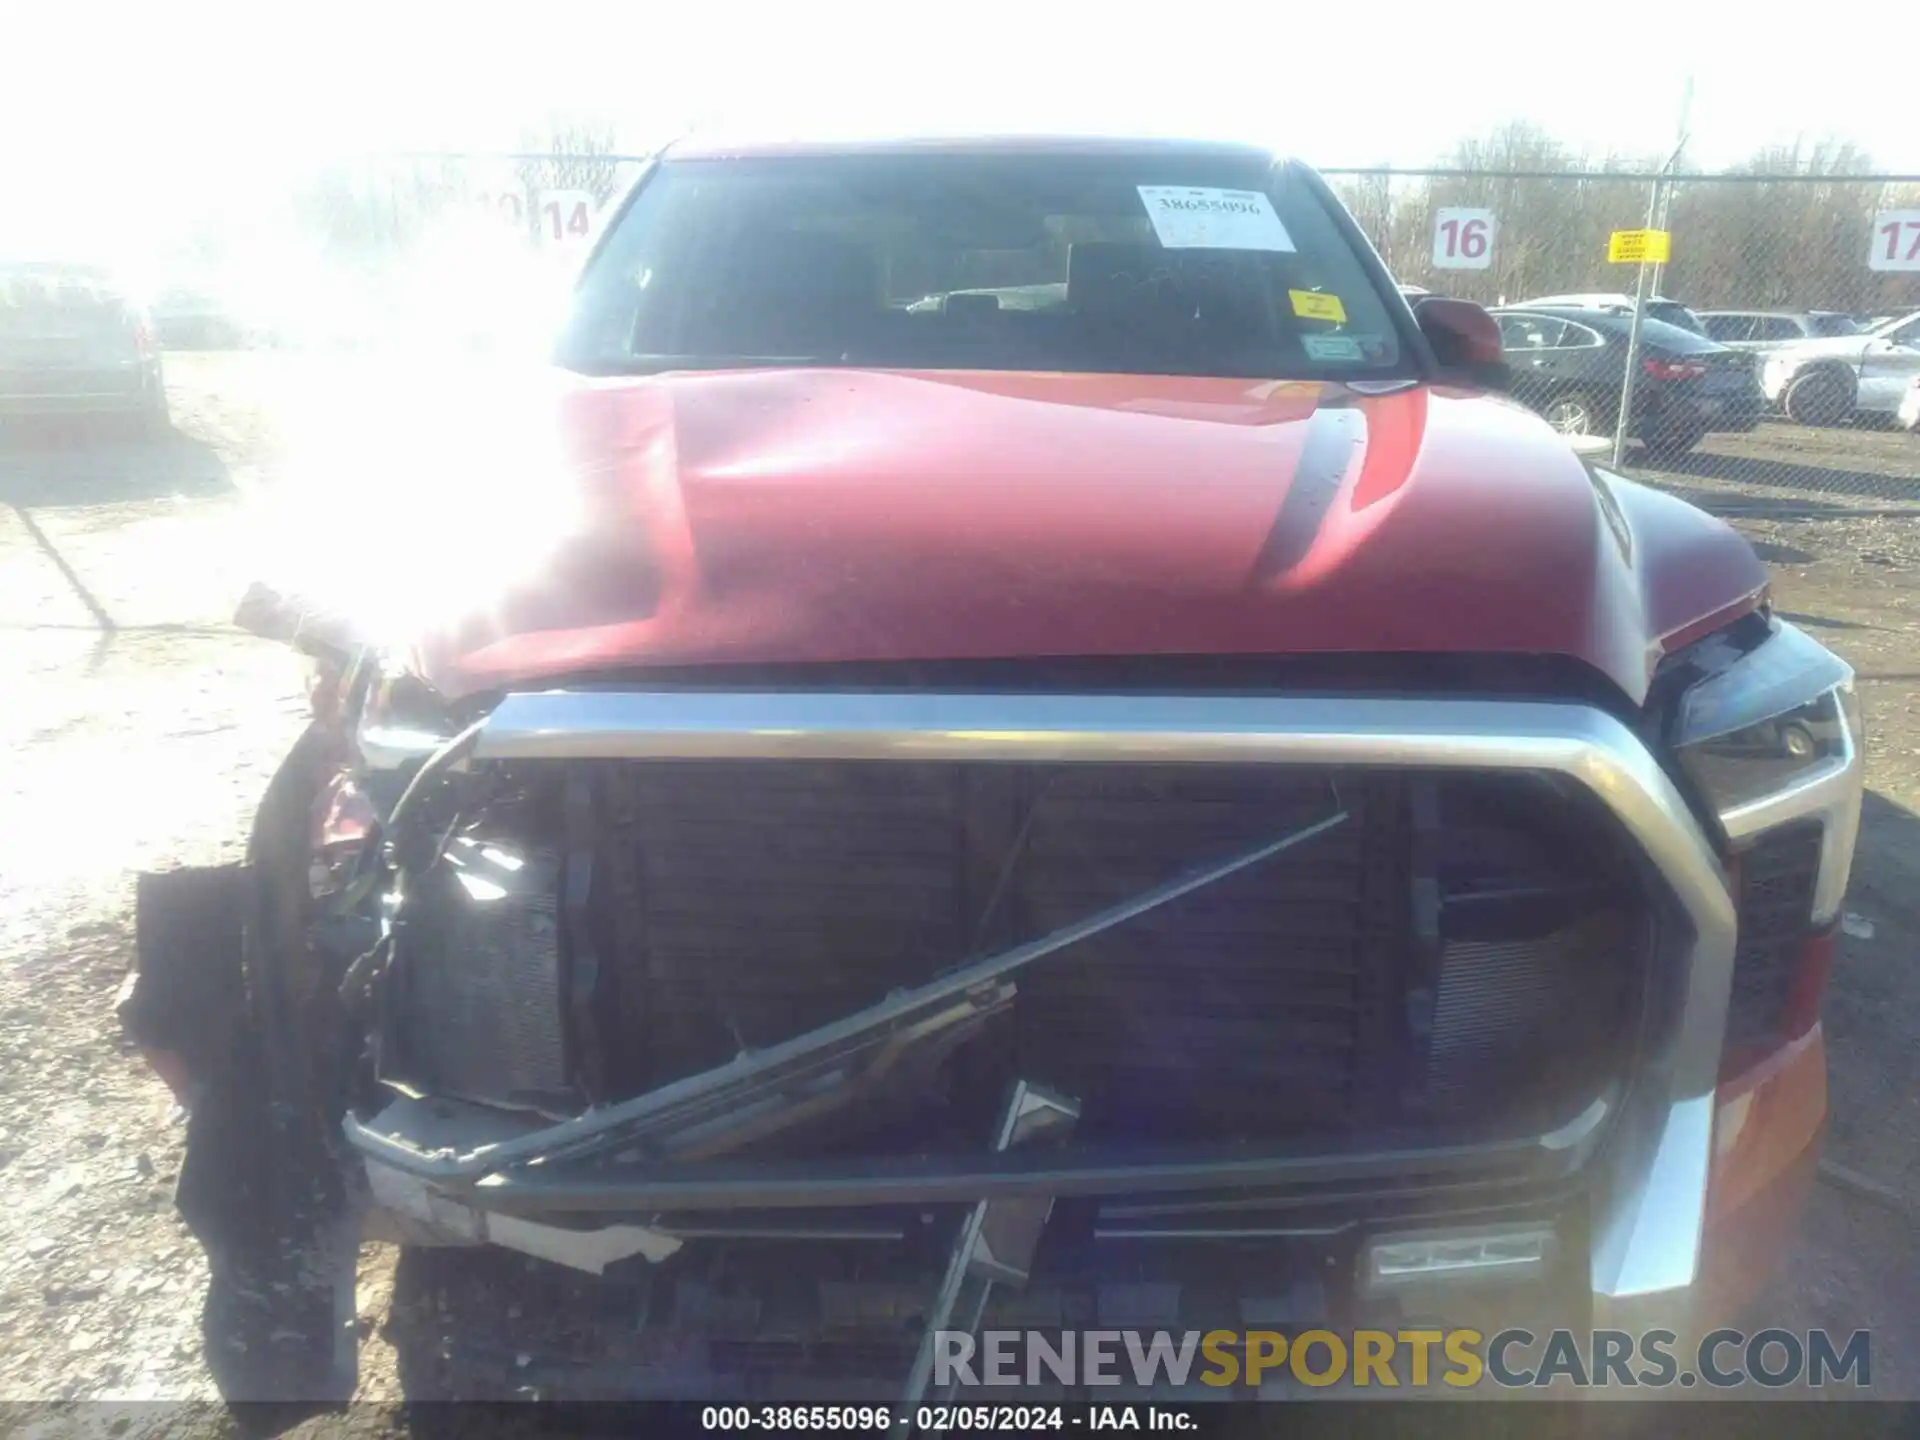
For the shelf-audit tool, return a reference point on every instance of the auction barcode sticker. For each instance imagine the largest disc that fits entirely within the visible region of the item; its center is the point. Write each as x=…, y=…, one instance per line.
x=1186, y=218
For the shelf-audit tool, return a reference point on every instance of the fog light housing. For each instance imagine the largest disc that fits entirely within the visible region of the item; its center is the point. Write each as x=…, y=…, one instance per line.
x=1491, y=1254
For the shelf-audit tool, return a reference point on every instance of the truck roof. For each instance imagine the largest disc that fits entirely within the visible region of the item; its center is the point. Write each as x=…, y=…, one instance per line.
x=764, y=146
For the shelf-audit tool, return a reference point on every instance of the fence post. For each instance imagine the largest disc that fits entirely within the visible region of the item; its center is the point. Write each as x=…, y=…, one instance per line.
x=1666, y=199
x=1625, y=418
x=1666, y=207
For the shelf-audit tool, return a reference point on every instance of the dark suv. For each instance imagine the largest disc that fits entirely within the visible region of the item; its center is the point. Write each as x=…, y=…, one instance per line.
x=1570, y=365
x=73, y=342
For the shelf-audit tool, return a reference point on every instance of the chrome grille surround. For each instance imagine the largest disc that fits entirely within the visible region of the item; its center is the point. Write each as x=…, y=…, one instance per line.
x=1651, y=1200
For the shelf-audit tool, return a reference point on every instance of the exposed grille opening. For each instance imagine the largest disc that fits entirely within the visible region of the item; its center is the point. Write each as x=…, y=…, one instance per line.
x=1499, y=998
x=1464, y=955
x=1777, y=878
x=484, y=978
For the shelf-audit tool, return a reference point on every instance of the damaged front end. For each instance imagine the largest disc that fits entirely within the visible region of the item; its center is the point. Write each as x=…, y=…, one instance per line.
x=1331, y=1007
x=957, y=1006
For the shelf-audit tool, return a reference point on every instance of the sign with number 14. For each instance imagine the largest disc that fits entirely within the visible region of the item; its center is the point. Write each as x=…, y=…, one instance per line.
x=1462, y=239
x=566, y=216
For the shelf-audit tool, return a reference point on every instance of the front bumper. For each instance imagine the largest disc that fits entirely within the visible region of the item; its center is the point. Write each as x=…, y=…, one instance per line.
x=1769, y=1125
x=1732, y=410
x=1643, y=1154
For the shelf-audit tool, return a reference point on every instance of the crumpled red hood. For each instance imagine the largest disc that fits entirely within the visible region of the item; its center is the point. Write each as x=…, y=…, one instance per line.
x=796, y=516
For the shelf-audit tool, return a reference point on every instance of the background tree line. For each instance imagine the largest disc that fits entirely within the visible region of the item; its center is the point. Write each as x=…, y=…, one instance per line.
x=363, y=214
x=1737, y=243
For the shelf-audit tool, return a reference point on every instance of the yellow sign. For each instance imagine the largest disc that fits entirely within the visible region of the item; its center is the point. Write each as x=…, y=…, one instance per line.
x=1639, y=247
x=1313, y=305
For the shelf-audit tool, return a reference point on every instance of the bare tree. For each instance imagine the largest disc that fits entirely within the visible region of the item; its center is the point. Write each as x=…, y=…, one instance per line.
x=1737, y=242
x=1797, y=243
x=574, y=154
x=1370, y=199
x=367, y=214
x=1552, y=229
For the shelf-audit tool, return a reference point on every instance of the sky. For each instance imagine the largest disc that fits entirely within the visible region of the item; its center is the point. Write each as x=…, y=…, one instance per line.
x=167, y=111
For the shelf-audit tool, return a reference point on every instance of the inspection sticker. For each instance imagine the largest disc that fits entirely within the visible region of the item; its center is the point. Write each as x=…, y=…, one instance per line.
x=1332, y=347
x=1316, y=305
x=1189, y=218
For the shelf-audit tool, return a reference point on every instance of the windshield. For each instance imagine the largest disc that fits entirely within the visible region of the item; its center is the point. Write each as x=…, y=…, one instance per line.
x=49, y=300
x=1668, y=312
x=1187, y=265
x=1659, y=334
x=1831, y=326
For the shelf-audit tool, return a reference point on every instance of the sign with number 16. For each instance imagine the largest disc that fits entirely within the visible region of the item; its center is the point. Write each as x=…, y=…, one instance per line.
x=1462, y=239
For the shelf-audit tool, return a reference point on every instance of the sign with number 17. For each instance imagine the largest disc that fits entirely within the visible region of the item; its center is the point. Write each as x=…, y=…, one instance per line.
x=1896, y=241
x=1462, y=239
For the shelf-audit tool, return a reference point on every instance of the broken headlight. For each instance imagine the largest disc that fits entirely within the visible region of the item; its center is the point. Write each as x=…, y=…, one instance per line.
x=402, y=722
x=1772, y=736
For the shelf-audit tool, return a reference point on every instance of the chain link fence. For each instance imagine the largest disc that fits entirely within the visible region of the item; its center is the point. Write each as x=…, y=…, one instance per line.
x=1776, y=365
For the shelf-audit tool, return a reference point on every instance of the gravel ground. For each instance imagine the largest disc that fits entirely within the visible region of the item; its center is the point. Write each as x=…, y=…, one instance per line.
x=139, y=730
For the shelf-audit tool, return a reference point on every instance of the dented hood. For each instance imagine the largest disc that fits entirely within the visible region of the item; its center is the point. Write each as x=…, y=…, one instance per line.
x=794, y=516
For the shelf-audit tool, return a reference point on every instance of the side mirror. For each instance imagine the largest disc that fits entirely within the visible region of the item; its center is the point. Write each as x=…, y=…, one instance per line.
x=1465, y=340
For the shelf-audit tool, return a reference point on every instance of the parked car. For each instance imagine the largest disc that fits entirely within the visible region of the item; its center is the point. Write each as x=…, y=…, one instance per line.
x=1188, y=749
x=1823, y=382
x=75, y=342
x=1763, y=329
x=192, y=317
x=1670, y=312
x=1908, y=416
x=1570, y=365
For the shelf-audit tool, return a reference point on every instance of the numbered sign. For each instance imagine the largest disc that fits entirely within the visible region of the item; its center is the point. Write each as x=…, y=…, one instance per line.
x=1896, y=241
x=1462, y=239
x=566, y=217
x=508, y=207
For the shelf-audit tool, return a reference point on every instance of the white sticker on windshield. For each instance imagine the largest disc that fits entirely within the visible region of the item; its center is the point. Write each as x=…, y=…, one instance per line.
x=1331, y=347
x=1186, y=218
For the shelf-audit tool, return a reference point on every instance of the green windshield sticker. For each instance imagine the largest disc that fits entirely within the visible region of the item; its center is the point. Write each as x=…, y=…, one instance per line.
x=1331, y=347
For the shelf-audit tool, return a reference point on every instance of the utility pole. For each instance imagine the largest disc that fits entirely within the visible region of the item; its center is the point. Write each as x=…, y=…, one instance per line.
x=1657, y=203
x=1666, y=198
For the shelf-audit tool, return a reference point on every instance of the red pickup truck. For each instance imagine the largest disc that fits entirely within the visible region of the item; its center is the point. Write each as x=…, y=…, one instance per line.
x=1067, y=739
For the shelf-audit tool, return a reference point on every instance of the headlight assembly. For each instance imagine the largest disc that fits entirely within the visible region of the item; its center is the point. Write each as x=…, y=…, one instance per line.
x=401, y=723
x=1771, y=737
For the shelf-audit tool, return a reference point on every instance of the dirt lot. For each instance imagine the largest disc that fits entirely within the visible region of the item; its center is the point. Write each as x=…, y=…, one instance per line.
x=138, y=730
